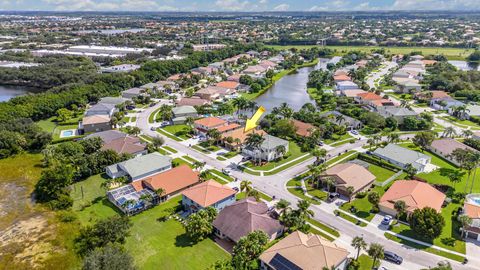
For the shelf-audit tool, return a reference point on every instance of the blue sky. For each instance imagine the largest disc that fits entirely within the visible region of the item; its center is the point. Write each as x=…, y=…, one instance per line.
x=238, y=5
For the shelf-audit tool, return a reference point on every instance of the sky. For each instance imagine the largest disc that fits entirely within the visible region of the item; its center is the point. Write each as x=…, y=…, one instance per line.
x=238, y=5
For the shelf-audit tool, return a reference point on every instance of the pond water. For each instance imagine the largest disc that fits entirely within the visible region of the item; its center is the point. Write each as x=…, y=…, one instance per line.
x=7, y=91
x=464, y=65
x=291, y=89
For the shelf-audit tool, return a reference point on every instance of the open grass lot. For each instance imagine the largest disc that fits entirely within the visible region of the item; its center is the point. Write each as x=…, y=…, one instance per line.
x=293, y=153
x=425, y=248
x=450, y=230
x=88, y=190
x=380, y=173
x=438, y=176
x=362, y=205
x=450, y=53
x=48, y=125
x=177, y=130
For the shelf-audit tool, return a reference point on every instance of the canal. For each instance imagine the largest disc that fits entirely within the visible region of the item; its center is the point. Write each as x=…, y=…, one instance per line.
x=291, y=89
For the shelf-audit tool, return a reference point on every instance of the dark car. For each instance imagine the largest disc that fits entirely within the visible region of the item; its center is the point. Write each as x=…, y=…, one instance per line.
x=392, y=257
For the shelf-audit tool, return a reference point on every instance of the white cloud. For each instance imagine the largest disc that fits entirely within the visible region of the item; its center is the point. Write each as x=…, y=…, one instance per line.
x=435, y=5
x=282, y=7
x=124, y=5
x=233, y=5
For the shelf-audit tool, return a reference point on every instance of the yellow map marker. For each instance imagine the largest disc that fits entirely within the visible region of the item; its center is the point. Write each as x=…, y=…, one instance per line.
x=252, y=122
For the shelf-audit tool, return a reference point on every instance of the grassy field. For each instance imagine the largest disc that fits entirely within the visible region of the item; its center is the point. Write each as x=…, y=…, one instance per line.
x=324, y=227
x=337, y=158
x=351, y=219
x=161, y=131
x=450, y=53
x=48, y=125
x=366, y=262
x=85, y=192
x=460, y=123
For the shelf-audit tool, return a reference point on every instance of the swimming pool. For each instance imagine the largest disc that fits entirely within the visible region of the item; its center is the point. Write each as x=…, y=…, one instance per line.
x=68, y=133
x=473, y=198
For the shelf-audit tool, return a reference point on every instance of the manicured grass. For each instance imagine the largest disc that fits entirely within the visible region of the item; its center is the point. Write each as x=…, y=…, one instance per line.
x=58, y=130
x=180, y=161
x=335, y=140
x=192, y=160
x=85, y=192
x=48, y=125
x=162, y=151
x=322, y=234
x=337, y=158
x=151, y=117
x=281, y=168
x=439, y=176
x=324, y=227
x=362, y=205
x=380, y=173
x=178, y=130
x=170, y=149
x=366, y=262
x=317, y=193
x=200, y=149
x=229, y=178
x=228, y=155
x=241, y=195
x=458, y=122
x=351, y=219
x=450, y=53
x=425, y=248
x=159, y=130
x=296, y=181
x=450, y=230
x=293, y=153
x=299, y=193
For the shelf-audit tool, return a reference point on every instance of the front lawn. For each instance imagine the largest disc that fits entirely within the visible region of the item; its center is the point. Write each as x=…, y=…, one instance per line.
x=293, y=153
x=362, y=205
x=178, y=130
x=340, y=157
x=335, y=140
x=450, y=230
x=458, y=122
x=299, y=193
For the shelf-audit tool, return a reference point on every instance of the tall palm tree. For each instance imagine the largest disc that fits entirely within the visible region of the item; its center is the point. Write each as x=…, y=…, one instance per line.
x=358, y=243
x=350, y=191
x=375, y=251
x=449, y=132
x=465, y=221
x=254, y=141
x=319, y=154
x=246, y=186
x=476, y=162
x=400, y=206
x=280, y=150
x=393, y=137
x=467, y=133
x=303, y=209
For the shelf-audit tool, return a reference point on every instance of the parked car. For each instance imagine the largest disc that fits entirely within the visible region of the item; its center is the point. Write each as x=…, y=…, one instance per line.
x=354, y=132
x=321, y=143
x=386, y=220
x=236, y=189
x=392, y=257
x=246, y=158
x=226, y=172
x=332, y=196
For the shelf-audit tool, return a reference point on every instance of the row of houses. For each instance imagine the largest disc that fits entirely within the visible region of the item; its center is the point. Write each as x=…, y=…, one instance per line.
x=409, y=76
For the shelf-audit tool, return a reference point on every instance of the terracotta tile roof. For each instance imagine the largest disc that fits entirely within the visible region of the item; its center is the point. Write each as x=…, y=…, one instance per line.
x=303, y=129
x=353, y=93
x=472, y=210
x=210, y=122
x=306, y=251
x=435, y=94
x=129, y=144
x=193, y=101
x=95, y=119
x=228, y=127
x=208, y=193
x=351, y=174
x=415, y=194
x=341, y=77
x=446, y=146
x=382, y=102
x=172, y=180
x=228, y=84
x=244, y=217
x=429, y=62
x=369, y=96
x=241, y=134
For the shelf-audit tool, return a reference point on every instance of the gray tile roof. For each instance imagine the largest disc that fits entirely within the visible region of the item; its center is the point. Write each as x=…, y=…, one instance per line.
x=108, y=136
x=272, y=142
x=100, y=109
x=112, y=100
x=400, y=154
x=397, y=111
x=144, y=164
x=183, y=110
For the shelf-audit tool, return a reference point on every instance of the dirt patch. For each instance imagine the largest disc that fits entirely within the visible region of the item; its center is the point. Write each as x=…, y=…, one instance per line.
x=27, y=242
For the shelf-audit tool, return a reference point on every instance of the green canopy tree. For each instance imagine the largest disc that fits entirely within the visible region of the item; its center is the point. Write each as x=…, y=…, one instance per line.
x=427, y=222
x=247, y=250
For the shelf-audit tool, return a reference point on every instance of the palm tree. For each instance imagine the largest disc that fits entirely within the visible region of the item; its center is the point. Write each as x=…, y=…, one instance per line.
x=400, y=207
x=204, y=175
x=285, y=110
x=371, y=143
x=339, y=118
x=329, y=182
x=449, y=132
x=157, y=142
x=246, y=186
x=198, y=165
x=467, y=133
x=358, y=243
x=282, y=206
x=376, y=252
x=456, y=176
x=466, y=221
x=160, y=192
x=393, y=137
x=254, y=140
x=280, y=150
x=304, y=212
x=319, y=154
x=350, y=191
x=475, y=161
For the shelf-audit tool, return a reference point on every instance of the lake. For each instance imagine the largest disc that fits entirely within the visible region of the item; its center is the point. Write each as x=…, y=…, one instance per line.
x=7, y=91
x=291, y=89
x=464, y=65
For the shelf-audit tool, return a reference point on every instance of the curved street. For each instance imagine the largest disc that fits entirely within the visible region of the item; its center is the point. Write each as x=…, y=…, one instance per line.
x=275, y=185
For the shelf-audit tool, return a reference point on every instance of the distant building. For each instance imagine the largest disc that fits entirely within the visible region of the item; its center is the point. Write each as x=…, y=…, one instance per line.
x=133, y=92
x=444, y=147
x=346, y=85
x=108, y=50
x=120, y=68
x=208, y=47
x=181, y=113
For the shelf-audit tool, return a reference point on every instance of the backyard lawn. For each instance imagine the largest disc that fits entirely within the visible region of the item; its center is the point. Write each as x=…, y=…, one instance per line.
x=380, y=173
x=450, y=230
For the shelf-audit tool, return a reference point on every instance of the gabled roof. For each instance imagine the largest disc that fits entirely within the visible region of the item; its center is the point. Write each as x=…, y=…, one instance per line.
x=95, y=119
x=228, y=127
x=369, y=96
x=272, y=142
x=141, y=165
x=228, y=84
x=304, y=251
x=192, y=101
x=400, y=154
x=112, y=100
x=100, y=108
x=129, y=144
x=108, y=135
x=208, y=193
x=303, y=129
x=172, y=180
x=183, y=110
x=447, y=145
x=415, y=194
x=351, y=174
x=245, y=216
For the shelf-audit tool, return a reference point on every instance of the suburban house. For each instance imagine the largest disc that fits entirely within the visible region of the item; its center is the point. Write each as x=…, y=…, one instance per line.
x=341, y=78
x=349, y=175
x=131, y=200
x=471, y=208
x=471, y=110
x=408, y=87
x=444, y=147
x=401, y=157
x=303, y=129
x=192, y=101
x=202, y=126
x=172, y=181
x=351, y=93
x=95, y=123
x=180, y=114
x=207, y=194
x=373, y=100
x=140, y=167
x=399, y=113
x=346, y=85
x=445, y=103
x=234, y=139
x=270, y=149
x=303, y=251
x=133, y=92
x=338, y=118
x=232, y=85
x=213, y=92
x=121, y=143
x=415, y=194
x=101, y=109
x=243, y=217
x=112, y=100
x=431, y=95
x=256, y=71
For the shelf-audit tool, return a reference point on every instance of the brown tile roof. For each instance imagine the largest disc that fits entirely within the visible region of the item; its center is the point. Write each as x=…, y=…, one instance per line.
x=415, y=194
x=129, y=144
x=435, y=94
x=244, y=217
x=208, y=193
x=193, y=101
x=351, y=174
x=241, y=134
x=303, y=129
x=172, y=180
x=228, y=84
x=210, y=122
x=369, y=96
x=341, y=77
x=228, y=127
x=95, y=119
x=306, y=251
x=446, y=146
x=354, y=92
